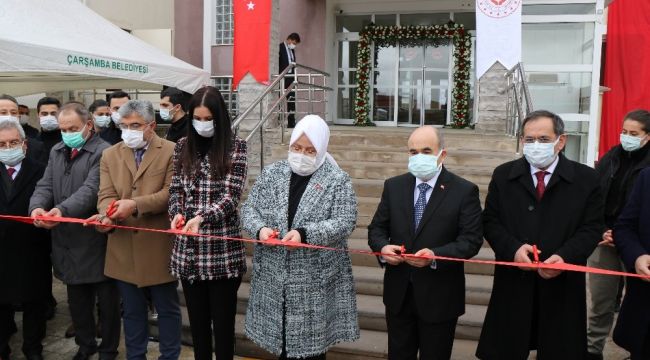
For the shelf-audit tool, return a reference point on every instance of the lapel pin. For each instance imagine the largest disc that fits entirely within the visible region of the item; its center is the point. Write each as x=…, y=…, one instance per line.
x=442, y=187
x=318, y=187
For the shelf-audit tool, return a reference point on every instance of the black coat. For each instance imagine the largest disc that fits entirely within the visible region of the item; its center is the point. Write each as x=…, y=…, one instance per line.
x=450, y=226
x=111, y=134
x=179, y=129
x=36, y=151
x=567, y=222
x=49, y=139
x=632, y=239
x=25, y=269
x=609, y=165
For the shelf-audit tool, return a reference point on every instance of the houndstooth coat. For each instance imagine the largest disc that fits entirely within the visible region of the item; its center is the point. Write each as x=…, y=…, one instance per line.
x=316, y=285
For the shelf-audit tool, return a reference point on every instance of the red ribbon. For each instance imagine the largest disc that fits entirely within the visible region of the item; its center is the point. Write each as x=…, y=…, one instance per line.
x=273, y=240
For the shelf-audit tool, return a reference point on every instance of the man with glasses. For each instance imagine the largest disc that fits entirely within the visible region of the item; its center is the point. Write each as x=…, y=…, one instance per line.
x=69, y=189
x=134, y=191
x=547, y=201
x=9, y=110
x=25, y=269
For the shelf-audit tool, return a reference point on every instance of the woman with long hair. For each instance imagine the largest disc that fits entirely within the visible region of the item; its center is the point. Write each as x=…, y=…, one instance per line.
x=209, y=177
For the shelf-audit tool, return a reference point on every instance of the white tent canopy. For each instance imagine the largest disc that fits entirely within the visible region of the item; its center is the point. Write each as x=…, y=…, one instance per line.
x=61, y=45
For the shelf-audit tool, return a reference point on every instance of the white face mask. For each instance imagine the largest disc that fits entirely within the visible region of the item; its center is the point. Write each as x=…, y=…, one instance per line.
x=9, y=118
x=291, y=46
x=133, y=138
x=540, y=155
x=49, y=123
x=116, y=117
x=302, y=164
x=24, y=119
x=102, y=121
x=203, y=128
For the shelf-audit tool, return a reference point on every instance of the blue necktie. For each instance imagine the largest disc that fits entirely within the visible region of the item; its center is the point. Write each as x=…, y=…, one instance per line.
x=421, y=203
x=138, y=157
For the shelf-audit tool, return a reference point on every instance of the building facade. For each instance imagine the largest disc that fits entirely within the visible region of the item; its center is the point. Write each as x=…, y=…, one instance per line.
x=411, y=85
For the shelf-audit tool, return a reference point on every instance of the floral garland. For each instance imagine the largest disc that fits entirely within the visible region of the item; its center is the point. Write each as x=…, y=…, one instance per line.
x=413, y=35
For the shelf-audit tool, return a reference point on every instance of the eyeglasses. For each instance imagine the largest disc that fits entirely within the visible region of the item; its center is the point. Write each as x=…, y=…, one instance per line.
x=134, y=126
x=307, y=151
x=541, y=139
x=11, y=144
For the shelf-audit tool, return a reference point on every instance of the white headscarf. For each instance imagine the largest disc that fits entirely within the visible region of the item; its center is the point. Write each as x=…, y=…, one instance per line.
x=317, y=131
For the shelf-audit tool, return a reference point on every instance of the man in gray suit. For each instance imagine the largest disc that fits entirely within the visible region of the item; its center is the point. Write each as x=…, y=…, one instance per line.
x=69, y=189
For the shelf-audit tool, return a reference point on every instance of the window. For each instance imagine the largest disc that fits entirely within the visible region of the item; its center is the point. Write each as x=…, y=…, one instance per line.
x=224, y=23
x=224, y=84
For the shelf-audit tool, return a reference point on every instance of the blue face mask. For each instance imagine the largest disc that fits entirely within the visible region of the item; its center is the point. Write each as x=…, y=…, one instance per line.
x=73, y=140
x=631, y=143
x=166, y=114
x=13, y=156
x=424, y=167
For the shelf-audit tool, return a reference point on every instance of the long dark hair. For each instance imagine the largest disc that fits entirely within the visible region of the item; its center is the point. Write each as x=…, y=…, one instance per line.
x=222, y=140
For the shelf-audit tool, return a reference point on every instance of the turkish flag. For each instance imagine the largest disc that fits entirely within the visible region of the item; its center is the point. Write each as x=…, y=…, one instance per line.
x=252, y=33
x=627, y=67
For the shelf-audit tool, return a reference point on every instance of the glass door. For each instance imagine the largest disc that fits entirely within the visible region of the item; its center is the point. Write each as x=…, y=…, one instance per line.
x=423, y=85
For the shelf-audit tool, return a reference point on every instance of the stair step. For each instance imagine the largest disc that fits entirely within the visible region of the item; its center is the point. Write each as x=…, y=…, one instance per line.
x=382, y=171
x=397, y=138
x=372, y=316
x=400, y=155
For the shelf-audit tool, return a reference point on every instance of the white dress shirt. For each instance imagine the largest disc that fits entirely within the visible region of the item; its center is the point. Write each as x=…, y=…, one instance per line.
x=16, y=167
x=549, y=172
x=431, y=182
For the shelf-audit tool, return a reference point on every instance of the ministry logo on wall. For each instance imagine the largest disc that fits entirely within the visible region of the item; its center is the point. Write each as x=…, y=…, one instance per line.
x=498, y=34
x=498, y=8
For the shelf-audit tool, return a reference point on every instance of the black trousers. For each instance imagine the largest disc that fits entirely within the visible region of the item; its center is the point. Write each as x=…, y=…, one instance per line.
x=291, y=104
x=645, y=352
x=408, y=333
x=318, y=357
x=211, y=307
x=81, y=299
x=34, y=324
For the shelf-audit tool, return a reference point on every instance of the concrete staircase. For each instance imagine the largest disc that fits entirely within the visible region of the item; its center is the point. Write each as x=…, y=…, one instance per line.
x=371, y=155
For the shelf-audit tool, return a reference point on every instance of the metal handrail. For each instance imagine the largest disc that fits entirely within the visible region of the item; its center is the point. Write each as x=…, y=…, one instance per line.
x=294, y=87
x=260, y=98
x=519, y=102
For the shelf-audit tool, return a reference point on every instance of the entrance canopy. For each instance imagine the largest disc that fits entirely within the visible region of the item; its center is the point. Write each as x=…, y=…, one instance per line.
x=48, y=46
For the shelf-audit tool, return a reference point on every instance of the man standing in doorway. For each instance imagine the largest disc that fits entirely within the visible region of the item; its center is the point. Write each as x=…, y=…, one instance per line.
x=288, y=56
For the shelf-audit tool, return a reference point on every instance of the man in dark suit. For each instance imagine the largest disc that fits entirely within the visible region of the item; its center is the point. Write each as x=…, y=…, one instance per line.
x=288, y=56
x=10, y=110
x=429, y=211
x=25, y=269
x=547, y=200
x=632, y=239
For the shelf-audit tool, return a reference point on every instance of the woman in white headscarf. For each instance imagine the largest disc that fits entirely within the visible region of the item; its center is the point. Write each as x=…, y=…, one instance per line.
x=302, y=301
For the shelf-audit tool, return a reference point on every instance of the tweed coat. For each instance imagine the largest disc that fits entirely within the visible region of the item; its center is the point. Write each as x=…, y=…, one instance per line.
x=216, y=200
x=138, y=257
x=316, y=286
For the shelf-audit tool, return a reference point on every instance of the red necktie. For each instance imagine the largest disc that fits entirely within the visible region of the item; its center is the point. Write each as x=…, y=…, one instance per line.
x=11, y=172
x=541, y=186
x=74, y=153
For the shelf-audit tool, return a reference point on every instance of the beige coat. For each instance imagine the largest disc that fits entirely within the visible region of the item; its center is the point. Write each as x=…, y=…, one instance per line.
x=137, y=257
